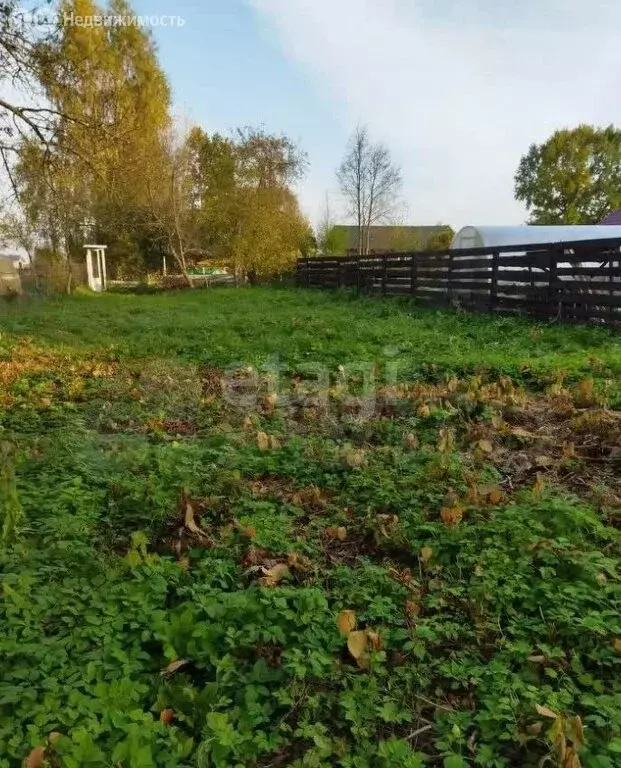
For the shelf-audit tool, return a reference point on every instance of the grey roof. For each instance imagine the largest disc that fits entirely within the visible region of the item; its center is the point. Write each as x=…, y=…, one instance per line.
x=613, y=218
x=392, y=238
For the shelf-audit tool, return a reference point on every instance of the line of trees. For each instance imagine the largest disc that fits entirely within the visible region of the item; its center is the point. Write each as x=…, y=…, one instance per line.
x=105, y=150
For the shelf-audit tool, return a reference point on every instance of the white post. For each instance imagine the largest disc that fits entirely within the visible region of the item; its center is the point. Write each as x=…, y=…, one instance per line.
x=102, y=268
x=89, y=268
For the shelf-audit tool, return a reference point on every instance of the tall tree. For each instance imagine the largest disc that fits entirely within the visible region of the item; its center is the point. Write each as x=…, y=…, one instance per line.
x=370, y=182
x=22, y=57
x=572, y=178
x=111, y=102
x=269, y=230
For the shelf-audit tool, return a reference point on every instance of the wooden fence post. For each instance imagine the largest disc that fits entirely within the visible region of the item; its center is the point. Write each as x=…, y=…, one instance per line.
x=553, y=304
x=413, y=275
x=449, y=281
x=384, y=275
x=339, y=273
x=493, y=289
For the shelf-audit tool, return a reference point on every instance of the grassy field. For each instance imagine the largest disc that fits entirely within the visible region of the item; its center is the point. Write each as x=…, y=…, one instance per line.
x=265, y=528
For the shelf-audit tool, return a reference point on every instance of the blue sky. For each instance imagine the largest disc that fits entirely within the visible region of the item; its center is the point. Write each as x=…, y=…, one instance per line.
x=228, y=69
x=457, y=90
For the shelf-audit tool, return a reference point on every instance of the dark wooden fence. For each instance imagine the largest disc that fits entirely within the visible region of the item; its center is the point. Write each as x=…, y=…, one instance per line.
x=578, y=281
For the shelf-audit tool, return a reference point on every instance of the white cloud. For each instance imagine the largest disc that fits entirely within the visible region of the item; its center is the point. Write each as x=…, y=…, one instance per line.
x=458, y=90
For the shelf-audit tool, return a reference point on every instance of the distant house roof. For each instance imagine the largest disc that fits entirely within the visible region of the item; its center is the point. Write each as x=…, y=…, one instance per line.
x=391, y=238
x=613, y=218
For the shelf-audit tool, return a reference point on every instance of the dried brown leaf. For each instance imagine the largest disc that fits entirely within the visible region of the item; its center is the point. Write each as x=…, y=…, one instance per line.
x=273, y=576
x=546, y=712
x=577, y=730
x=357, y=646
x=411, y=441
x=496, y=495
x=336, y=532
x=263, y=441
x=355, y=459
x=346, y=622
x=190, y=523
x=523, y=433
x=173, y=667
x=374, y=640
x=299, y=563
x=485, y=446
x=452, y=515
x=167, y=716
x=585, y=391
x=36, y=758
x=426, y=554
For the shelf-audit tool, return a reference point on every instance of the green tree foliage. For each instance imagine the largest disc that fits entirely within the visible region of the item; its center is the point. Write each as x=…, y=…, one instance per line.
x=333, y=241
x=112, y=101
x=151, y=189
x=573, y=178
x=440, y=241
x=242, y=208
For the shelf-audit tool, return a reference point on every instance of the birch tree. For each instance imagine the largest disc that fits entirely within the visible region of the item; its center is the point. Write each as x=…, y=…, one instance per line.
x=370, y=182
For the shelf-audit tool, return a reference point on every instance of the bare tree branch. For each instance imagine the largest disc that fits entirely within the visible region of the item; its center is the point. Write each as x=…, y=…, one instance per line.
x=370, y=182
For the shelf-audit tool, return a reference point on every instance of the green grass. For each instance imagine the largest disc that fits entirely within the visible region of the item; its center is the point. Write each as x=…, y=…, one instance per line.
x=469, y=522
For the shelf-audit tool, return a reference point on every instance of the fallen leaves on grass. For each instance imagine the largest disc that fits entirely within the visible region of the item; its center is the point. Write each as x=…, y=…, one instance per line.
x=411, y=441
x=346, y=622
x=192, y=526
x=546, y=712
x=360, y=643
x=452, y=516
x=357, y=646
x=495, y=495
x=355, y=458
x=36, y=758
x=485, y=446
x=167, y=716
x=274, y=575
x=426, y=554
x=300, y=563
x=336, y=532
x=173, y=667
x=586, y=389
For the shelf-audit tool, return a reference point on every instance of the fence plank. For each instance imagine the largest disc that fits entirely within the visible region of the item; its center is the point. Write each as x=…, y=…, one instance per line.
x=571, y=281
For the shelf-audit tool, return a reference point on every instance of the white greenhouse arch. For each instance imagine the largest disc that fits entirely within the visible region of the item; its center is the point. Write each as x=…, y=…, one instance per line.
x=496, y=237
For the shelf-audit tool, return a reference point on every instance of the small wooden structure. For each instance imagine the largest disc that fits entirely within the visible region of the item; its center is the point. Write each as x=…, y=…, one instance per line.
x=96, y=267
